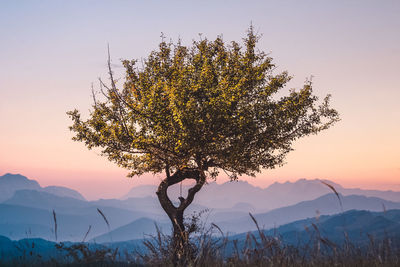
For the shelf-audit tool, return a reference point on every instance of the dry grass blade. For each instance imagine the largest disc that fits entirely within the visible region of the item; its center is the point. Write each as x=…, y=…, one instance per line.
x=114, y=254
x=261, y=233
x=336, y=193
x=255, y=221
x=316, y=229
x=104, y=218
x=84, y=238
x=159, y=237
x=217, y=227
x=55, y=224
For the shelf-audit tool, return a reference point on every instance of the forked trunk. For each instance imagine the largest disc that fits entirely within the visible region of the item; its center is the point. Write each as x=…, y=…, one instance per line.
x=181, y=248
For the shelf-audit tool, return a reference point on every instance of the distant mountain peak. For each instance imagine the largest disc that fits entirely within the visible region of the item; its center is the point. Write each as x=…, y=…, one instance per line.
x=276, y=195
x=239, y=183
x=63, y=192
x=315, y=180
x=7, y=175
x=10, y=183
x=141, y=191
x=304, y=181
x=15, y=177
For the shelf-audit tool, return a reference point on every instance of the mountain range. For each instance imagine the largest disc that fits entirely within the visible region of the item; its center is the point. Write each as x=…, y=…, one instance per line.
x=26, y=208
x=359, y=227
x=29, y=213
x=325, y=205
x=256, y=199
x=239, y=222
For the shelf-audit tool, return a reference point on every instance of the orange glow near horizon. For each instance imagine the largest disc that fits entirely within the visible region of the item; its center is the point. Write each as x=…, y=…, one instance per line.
x=113, y=183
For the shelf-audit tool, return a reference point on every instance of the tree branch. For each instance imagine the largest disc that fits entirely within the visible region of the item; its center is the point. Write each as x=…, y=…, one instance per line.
x=177, y=177
x=192, y=192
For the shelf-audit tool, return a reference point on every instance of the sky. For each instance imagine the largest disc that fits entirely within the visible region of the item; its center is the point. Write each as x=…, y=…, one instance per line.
x=51, y=53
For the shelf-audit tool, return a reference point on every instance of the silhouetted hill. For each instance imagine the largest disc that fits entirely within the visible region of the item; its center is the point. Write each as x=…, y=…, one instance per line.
x=26, y=252
x=38, y=252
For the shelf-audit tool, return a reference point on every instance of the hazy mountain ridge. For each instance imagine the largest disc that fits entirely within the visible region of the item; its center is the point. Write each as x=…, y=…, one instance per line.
x=324, y=205
x=277, y=195
x=63, y=192
x=358, y=225
x=41, y=199
x=10, y=183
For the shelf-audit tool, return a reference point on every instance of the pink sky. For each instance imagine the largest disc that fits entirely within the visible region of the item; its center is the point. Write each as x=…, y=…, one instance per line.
x=52, y=52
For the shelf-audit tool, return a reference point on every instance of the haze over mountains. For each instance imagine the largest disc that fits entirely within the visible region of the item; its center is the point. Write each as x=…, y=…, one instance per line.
x=26, y=208
x=229, y=194
x=10, y=183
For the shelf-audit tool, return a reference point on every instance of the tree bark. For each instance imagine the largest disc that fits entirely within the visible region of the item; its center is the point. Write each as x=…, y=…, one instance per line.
x=176, y=214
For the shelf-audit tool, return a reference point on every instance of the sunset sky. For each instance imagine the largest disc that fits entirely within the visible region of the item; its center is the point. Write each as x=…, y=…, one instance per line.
x=52, y=51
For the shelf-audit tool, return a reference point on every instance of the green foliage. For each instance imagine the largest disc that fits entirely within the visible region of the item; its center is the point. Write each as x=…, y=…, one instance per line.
x=211, y=106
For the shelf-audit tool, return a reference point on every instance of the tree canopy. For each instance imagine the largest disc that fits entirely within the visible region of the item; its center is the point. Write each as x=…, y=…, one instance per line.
x=211, y=106
x=192, y=111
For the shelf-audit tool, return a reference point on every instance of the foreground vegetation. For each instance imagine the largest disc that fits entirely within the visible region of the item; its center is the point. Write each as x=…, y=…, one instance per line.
x=205, y=249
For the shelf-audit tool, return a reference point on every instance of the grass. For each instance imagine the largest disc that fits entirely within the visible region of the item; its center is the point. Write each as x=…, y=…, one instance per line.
x=259, y=249
x=206, y=249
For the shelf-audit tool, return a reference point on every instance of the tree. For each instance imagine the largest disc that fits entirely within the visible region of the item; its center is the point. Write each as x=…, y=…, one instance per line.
x=192, y=112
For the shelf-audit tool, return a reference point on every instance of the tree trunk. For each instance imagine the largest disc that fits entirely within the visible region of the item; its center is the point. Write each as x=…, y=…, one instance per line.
x=180, y=245
x=180, y=238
